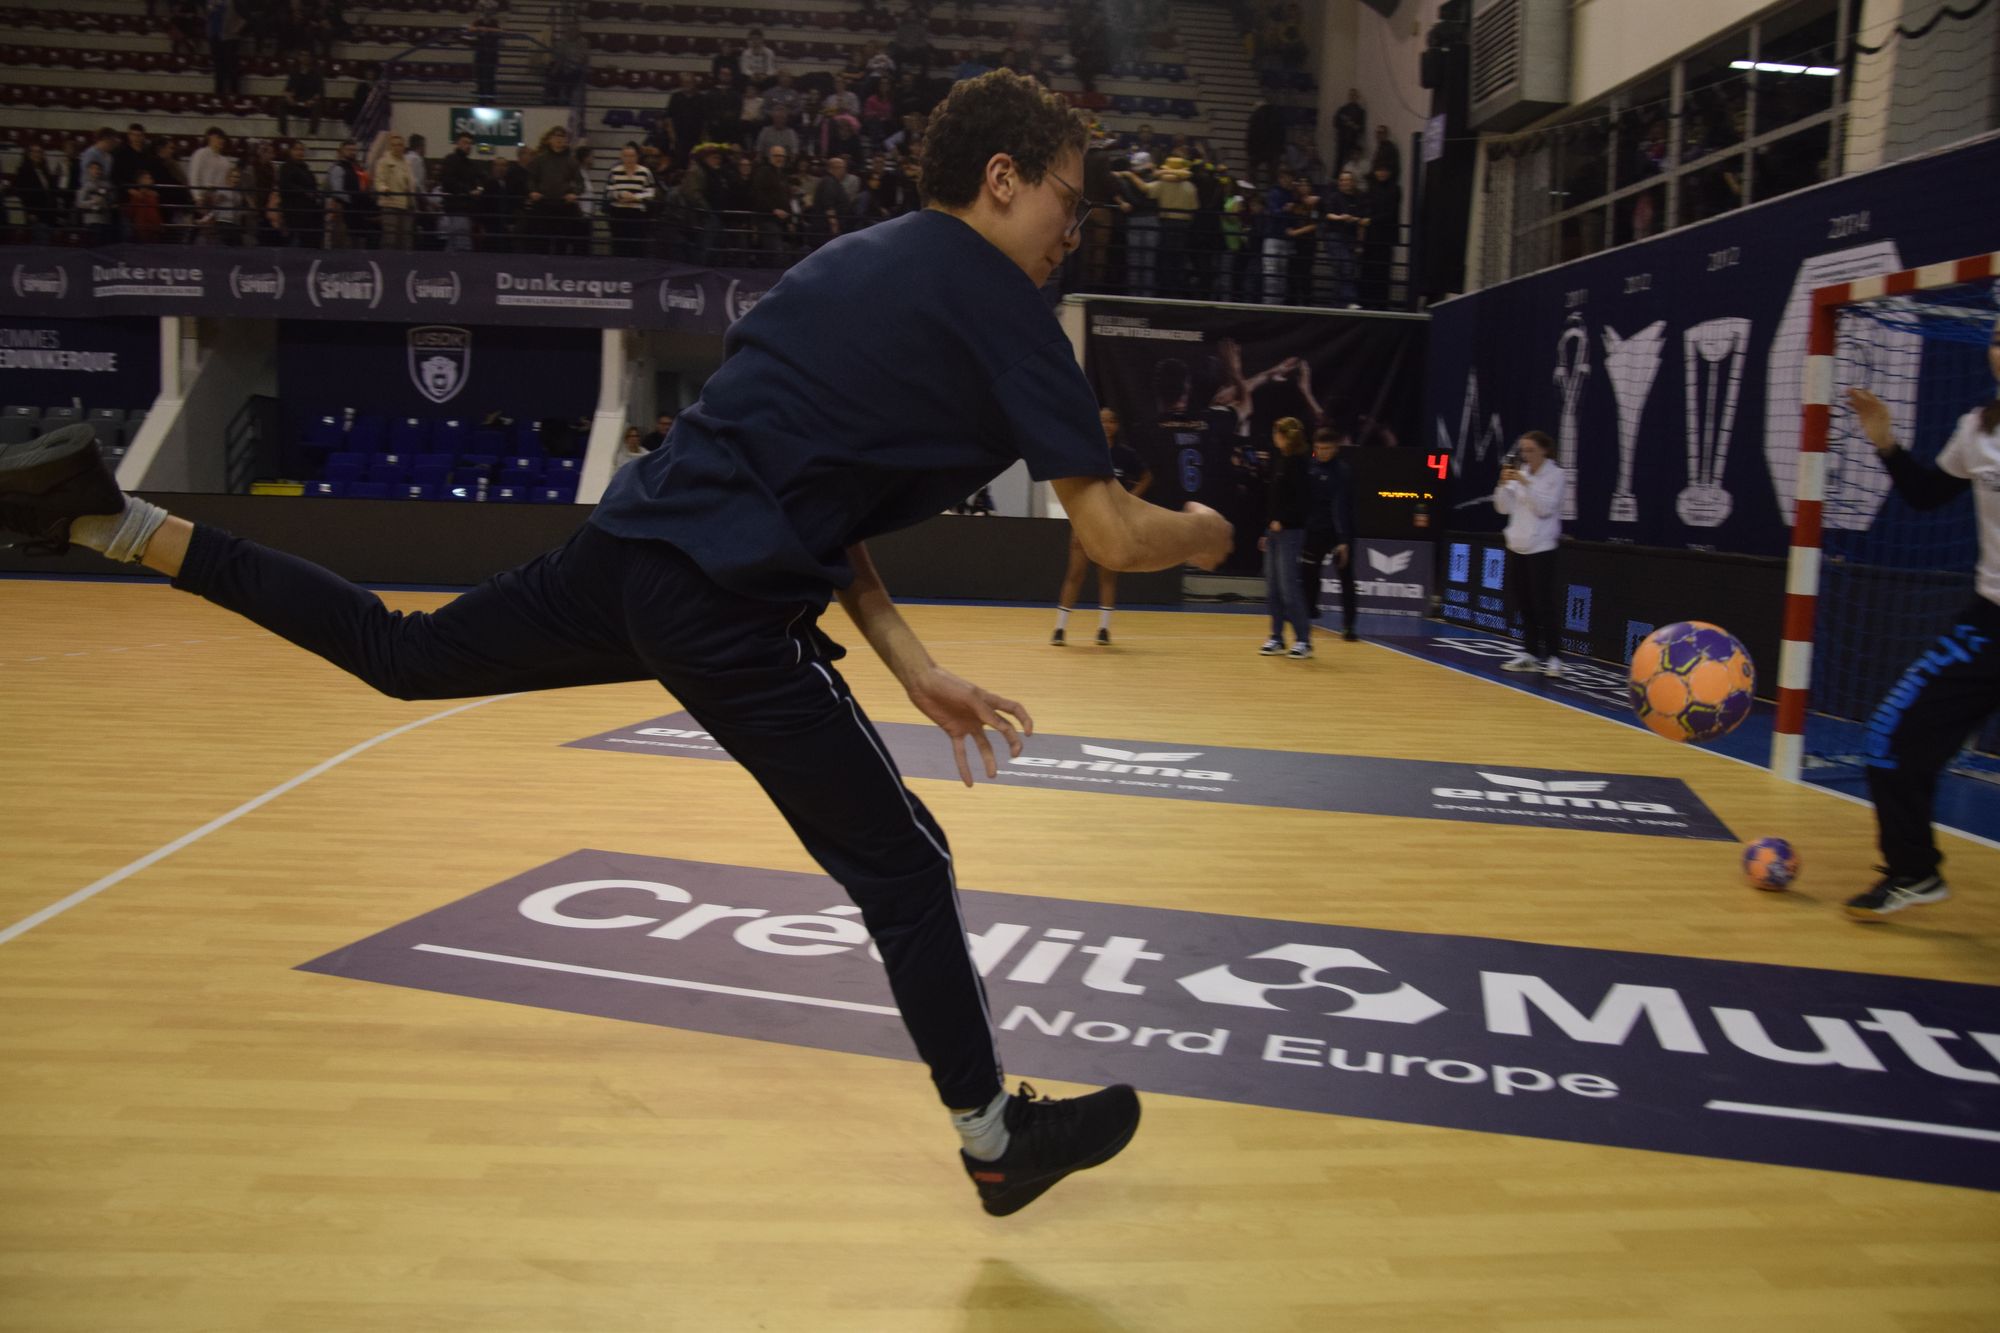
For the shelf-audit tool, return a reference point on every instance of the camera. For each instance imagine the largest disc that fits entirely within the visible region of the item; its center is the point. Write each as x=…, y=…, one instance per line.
x=1512, y=460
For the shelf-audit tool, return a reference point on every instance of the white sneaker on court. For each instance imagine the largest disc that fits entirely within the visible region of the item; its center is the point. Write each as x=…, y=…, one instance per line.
x=1520, y=662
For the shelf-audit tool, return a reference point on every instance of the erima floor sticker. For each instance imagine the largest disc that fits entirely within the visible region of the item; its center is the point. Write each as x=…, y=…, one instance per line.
x=1874, y=1075
x=1286, y=779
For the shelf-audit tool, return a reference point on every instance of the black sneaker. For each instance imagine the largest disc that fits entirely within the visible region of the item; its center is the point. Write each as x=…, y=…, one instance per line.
x=1056, y=639
x=1104, y=638
x=1048, y=1139
x=1349, y=635
x=47, y=481
x=1892, y=893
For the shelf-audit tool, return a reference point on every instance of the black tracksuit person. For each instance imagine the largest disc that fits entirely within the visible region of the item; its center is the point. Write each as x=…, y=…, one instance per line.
x=1955, y=685
x=1330, y=530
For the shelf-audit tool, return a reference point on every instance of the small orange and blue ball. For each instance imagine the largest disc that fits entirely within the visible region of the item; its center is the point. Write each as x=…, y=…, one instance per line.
x=1770, y=863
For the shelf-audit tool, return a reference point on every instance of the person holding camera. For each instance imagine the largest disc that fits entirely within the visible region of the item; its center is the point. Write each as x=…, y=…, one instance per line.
x=1531, y=495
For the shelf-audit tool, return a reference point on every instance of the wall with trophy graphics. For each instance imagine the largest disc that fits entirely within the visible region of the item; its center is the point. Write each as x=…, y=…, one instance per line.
x=1670, y=371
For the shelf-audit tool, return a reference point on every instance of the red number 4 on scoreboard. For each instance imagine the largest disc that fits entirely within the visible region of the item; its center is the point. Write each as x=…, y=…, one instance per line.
x=1439, y=463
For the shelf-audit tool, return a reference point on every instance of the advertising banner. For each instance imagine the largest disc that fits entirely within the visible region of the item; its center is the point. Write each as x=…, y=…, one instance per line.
x=1199, y=388
x=410, y=287
x=1670, y=372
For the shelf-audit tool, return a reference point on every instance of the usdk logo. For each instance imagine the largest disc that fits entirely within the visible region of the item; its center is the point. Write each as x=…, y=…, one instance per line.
x=432, y=288
x=685, y=299
x=248, y=284
x=40, y=282
x=356, y=284
x=1148, y=764
x=440, y=359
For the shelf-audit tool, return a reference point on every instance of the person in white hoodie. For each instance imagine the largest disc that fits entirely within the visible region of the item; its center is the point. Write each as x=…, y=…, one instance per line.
x=1530, y=495
x=208, y=178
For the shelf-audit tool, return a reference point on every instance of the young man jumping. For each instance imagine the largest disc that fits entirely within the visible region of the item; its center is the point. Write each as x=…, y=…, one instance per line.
x=710, y=560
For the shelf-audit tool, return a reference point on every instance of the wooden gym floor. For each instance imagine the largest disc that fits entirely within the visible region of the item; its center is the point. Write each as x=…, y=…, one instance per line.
x=196, y=1136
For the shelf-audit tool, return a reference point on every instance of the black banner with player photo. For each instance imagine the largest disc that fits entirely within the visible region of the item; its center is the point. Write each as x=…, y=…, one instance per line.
x=1199, y=387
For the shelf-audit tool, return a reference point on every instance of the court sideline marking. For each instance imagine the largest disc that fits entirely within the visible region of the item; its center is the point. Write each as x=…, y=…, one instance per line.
x=85, y=894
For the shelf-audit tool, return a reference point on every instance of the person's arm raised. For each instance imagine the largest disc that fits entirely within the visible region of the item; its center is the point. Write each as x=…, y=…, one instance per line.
x=1120, y=531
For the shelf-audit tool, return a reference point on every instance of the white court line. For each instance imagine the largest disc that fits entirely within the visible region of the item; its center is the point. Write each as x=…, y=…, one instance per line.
x=28, y=923
x=675, y=982
x=1714, y=754
x=1865, y=1121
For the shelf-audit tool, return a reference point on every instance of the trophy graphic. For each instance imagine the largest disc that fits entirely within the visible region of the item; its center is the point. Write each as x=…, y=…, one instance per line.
x=1572, y=369
x=1715, y=353
x=1633, y=363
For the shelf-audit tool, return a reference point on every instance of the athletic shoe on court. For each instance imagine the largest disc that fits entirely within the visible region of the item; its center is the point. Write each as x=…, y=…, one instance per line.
x=1104, y=638
x=1552, y=667
x=1272, y=647
x=1301, y=651
x=47, y=481
x=1520, y=662
x=1892, y=893
x=1349, y=635
x=1056, y=639
x=1049, y=1138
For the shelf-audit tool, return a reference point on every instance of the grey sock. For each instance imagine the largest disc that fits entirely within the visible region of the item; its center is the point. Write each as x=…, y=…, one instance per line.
x=984, y=1130
x=121, y=536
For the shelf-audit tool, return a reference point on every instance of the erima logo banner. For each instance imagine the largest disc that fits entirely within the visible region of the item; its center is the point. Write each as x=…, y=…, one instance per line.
x=1859, y=1073
x=1461, y=562
x=1576, y=617
x=1395, y=578
x=1281, y=779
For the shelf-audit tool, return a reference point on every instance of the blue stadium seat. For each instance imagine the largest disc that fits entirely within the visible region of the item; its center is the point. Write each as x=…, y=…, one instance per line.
x=369, y=434
x=389, y=468
x=434, y=459
x=368, y=490
x=528, y=438
x=506, y=494
x=487, y=443
x=27, y=413
x=326, y=432
x=410, y=435
x=325, y=490
x=448, y=436
x=554, y=468
x=418, y=491
x=18, y=430
x=345, y=467
x=553, y=495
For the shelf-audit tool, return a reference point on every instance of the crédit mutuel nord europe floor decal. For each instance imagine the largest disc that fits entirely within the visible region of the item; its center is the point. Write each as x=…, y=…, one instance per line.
x=1286, y=779
x=1877, y=1075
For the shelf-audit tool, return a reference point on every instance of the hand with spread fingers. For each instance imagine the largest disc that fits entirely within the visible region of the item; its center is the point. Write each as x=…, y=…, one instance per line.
x=965, y=711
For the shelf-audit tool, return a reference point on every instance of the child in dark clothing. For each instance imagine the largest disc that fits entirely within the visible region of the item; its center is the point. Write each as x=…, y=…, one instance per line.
x=1288, y=511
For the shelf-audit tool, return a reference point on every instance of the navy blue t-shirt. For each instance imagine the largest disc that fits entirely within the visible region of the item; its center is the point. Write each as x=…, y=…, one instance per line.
x=886, y=377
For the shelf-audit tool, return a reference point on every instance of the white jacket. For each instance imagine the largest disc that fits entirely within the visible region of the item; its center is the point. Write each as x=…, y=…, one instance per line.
x=1533, y=507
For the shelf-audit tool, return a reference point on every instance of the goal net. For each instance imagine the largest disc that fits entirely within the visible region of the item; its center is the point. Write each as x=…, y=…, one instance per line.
x=1885, y=578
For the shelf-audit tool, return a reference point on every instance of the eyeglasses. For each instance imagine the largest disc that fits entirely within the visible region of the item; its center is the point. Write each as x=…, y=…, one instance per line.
x=1084, y=206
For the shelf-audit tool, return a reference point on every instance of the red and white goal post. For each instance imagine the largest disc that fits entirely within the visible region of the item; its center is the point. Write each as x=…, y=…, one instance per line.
x=1802, y=579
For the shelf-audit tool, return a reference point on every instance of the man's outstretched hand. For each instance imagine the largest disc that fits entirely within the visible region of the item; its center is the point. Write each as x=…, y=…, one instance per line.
x=965, y=710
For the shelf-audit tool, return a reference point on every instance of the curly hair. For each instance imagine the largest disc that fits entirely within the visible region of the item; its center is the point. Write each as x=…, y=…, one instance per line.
x=998, y=112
